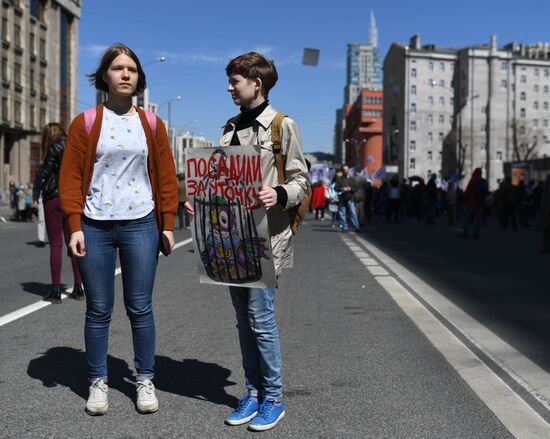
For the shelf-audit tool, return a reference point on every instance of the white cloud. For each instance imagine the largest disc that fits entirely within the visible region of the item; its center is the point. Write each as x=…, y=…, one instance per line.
x=94, y=50
x=197, y=58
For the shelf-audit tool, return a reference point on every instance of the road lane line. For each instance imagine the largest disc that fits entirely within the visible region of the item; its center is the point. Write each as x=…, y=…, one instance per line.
x=521, y=415
x=29, y=309
x=528, y=375
x=513, y=412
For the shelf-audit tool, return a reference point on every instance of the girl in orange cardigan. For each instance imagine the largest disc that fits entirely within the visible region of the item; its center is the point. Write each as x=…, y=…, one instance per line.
x=118, y=189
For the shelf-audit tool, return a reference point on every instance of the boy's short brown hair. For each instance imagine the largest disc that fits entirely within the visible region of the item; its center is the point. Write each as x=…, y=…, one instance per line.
x=254, y=65
x=96, y=78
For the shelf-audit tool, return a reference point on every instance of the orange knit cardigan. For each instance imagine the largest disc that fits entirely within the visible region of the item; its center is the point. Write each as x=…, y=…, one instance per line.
x=78, y=162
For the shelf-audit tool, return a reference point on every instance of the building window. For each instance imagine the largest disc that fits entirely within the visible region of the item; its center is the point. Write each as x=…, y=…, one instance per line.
x=523, y=79
x=522, y=96
x=413, y=126
x=440, y=137
x=413, y=73
x=37, y=9
x=430, y=100
x=17, y=111
x=452, y=101
x=536, y=123
x=536, y=88
x=441, y=119
x=545, y=123
x=522, y=112
x=546, y=73
x=33, y=88
x=412, y=164
x=430, y=137
x=431, y=83
x=545, y=105
x=442, y=83
x=32, y=46
x=412, y=145
x=17, y=35
x=441, y=101
x=537, y=72
x=536, y=105
x=430, y=119
x=17, y=73
x=5, y=114
x=5, y=76
x=431, y=66
x=42, y=117
x=5, y=35
x=33, y=118
x=522, y=129
x=429, y=155
x=499, y=155
x=413, y=107
x=504, y=66
x=42, y=48
x=503, y=83
x=545, y=89
x=442, y=66
x=42, y=83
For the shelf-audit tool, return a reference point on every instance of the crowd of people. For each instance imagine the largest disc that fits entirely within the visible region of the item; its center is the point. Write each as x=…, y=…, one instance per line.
x=356, y=199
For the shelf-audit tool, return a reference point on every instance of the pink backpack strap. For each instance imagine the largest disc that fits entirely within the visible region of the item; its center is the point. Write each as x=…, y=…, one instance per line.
x=89, y=119
x=152, y=119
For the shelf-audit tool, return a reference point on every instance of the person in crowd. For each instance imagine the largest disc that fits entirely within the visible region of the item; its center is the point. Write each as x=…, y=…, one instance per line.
x=346, y=186
x=394, y=201
x=118, y=189
x=431, y=200
x=545, y=208
x=510, y=199
x=333, y=204
x=318, y=200
x=47, y=188
x=450, y=199
x=474, y=196
x=369, y=201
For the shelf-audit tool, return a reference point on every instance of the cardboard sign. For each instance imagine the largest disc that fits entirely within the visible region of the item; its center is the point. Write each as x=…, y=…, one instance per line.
x=230, y=232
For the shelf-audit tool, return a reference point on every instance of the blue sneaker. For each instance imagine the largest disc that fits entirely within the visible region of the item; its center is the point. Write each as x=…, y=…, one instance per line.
x=269, y=415
x=245, y=411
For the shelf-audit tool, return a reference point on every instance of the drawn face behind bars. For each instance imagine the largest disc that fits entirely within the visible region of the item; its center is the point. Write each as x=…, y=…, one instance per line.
x=224, y=221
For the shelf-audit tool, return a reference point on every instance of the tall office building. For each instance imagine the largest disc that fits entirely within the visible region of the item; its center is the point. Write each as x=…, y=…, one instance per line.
x=449, y=111
x=39, y=84
x=362, y=72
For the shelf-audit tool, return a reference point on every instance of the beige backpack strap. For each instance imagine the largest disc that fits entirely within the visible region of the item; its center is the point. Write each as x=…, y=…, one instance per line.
x=276, y=139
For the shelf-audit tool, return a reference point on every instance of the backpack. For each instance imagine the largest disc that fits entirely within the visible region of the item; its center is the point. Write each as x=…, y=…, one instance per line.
x=90, y=115
x=481, y=190
x=298, y=212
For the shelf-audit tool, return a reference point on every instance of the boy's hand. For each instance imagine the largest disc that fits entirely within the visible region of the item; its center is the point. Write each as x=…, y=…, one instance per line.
x=188, y=208
x=268, y=196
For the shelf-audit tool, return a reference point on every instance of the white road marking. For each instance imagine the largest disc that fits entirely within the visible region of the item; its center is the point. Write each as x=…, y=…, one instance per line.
x=515, y=414
x=29, y=309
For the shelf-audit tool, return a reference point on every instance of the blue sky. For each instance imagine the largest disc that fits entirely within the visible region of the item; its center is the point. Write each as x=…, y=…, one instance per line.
x=199, y=37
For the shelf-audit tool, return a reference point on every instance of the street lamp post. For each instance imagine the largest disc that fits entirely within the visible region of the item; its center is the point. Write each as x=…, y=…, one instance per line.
x=160, y=59
x=169, y=102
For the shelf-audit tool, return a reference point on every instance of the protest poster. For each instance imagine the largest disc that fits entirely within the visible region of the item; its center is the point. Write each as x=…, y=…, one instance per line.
x=229, y=229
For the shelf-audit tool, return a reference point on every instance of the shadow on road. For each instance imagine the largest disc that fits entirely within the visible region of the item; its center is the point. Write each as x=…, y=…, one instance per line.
x=191, y=378
x=66, y=366
x=38, y=288
x=194, y=379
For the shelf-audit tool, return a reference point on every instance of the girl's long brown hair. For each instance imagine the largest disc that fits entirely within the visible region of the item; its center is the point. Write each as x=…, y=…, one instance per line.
x=51, y=133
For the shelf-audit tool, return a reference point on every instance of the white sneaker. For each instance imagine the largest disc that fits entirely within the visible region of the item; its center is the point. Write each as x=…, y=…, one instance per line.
x=98, y=402
x=147, y=402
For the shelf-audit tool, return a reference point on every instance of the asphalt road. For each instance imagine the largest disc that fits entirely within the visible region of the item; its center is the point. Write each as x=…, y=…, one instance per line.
x=354, y=365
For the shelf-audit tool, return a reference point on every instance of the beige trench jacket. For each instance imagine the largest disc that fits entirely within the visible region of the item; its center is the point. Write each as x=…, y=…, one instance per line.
x=296, y=176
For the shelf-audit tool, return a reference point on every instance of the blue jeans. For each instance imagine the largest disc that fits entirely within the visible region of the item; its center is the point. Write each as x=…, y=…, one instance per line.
x=259, y=340
x=349, y=205
x=477, y=212
x=137, y=242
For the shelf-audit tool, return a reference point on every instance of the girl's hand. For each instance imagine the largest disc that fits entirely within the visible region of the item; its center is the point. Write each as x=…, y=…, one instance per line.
x=268, y=196
x=170, y=236
x=76, y=244
x=188, y=208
